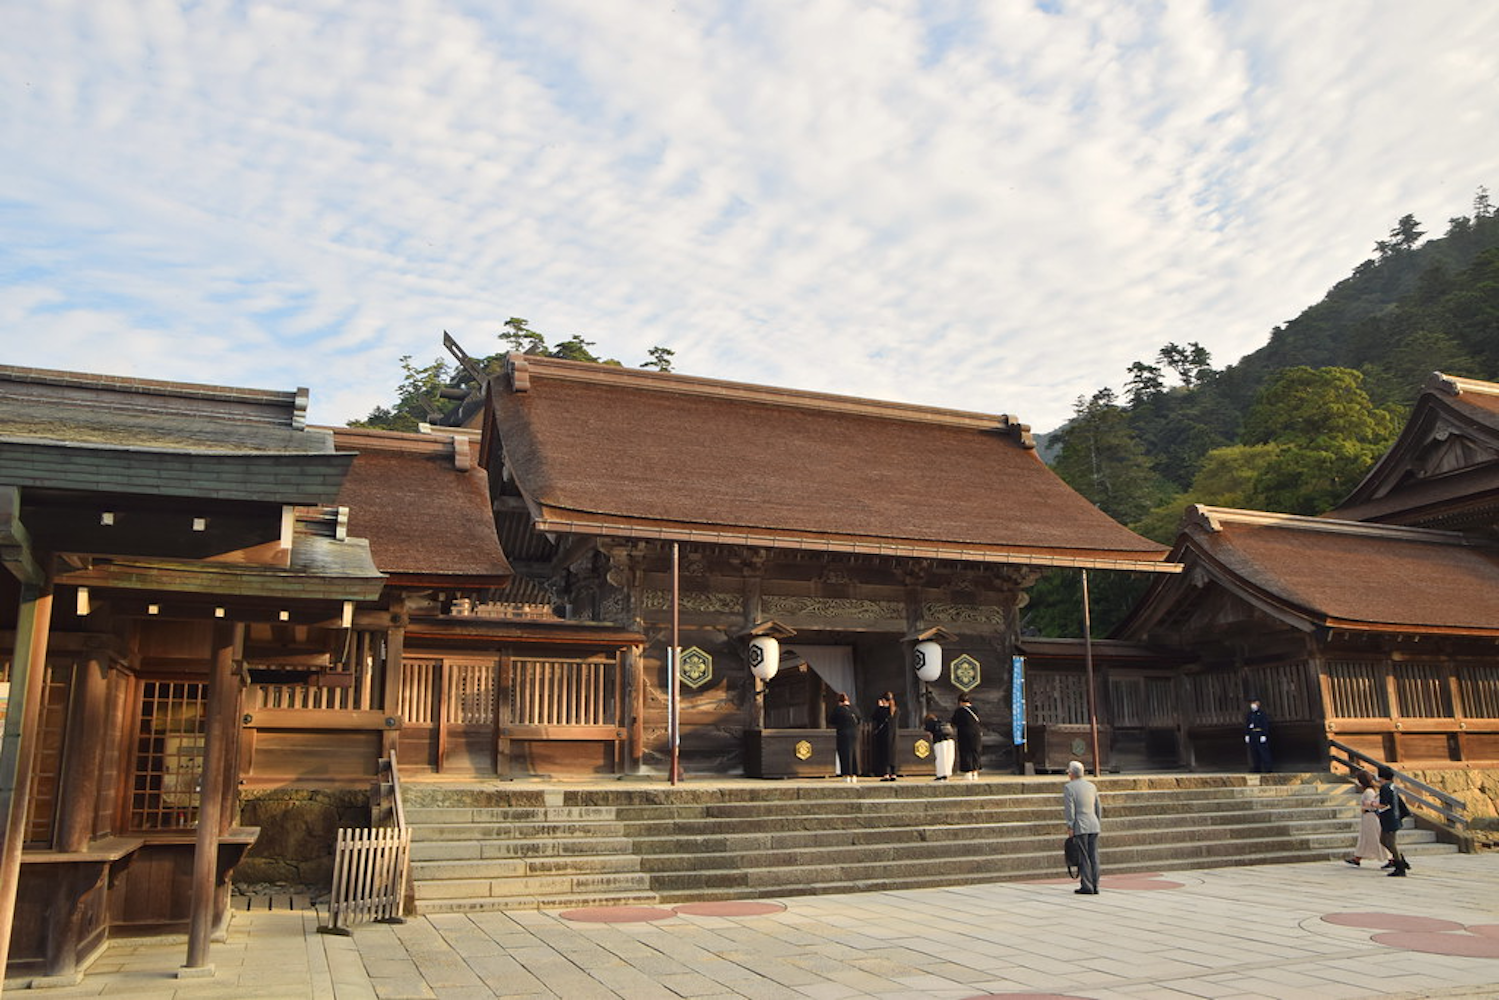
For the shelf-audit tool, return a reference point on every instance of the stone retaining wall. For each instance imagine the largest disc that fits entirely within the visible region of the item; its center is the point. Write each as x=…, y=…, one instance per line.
x=298, y=829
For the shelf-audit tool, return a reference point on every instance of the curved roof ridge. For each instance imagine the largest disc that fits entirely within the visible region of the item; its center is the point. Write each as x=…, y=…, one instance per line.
x=521, y=368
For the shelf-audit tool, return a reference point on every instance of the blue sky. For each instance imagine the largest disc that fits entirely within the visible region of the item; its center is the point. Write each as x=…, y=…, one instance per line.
x=995, y=206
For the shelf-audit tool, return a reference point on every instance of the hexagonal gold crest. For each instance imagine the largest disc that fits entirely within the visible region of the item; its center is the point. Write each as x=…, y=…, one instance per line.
x=695, y=667
x=803, y=750
x=923, y=749
x=964, y=672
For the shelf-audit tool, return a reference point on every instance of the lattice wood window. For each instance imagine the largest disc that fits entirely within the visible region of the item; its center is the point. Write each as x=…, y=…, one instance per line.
x=1217, y=699
x=562, y=692
x=1479, y=687
x=1056, y=699
x=1358, y=689
x=46, y=768
x=168, y=755
x=1282, y=688
x=1421, y=691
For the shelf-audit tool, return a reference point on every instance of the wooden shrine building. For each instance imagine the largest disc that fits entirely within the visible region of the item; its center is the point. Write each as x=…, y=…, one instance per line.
x=848, y=531
x=157, y=538
x=1375, y=625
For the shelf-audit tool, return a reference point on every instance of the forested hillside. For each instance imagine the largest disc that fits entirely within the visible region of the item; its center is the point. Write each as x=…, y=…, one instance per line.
x=1294, y=425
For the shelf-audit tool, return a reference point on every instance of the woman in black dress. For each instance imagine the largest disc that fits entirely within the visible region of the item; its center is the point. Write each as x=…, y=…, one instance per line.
x=970, y=738
x=886, y=737
x=845, y=720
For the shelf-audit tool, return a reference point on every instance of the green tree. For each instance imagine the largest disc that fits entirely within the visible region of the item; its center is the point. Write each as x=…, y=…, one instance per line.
x=519, y=337
x=660, y=359
x=1102, y=459
x=418, y=398
x=1403, y=238
x=1226, y=479
x=1054, y=606
x=1145, y=383
x=1329, y=433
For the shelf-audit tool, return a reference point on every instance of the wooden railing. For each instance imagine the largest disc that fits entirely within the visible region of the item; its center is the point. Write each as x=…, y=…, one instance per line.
x=1452, y=809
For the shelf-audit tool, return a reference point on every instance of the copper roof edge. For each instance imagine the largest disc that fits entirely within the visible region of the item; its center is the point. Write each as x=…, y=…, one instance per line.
x=1214, y=518
x=1147, y=562
x=130, y=383
x=638, y=378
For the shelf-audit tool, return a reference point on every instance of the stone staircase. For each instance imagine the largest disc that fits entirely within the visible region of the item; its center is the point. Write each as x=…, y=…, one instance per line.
x=502, y=846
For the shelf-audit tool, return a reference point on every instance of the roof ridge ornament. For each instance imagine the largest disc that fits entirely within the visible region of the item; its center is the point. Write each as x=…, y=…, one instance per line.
x=1011, y=425
x=1455, y=385
x=519, y=369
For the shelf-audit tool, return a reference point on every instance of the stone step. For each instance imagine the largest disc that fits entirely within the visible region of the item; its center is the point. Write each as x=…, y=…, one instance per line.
x=513, y=831
x=531, y=885
x=433, y=815
x=543, y=901
x=964, y=842
x=456, y=850
x=506, y=867
x=485, y=848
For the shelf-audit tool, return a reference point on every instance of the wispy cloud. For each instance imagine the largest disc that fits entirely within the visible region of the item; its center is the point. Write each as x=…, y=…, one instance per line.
x=991, y=206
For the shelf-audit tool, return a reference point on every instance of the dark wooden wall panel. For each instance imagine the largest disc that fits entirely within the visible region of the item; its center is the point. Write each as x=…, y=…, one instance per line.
x=296, y=753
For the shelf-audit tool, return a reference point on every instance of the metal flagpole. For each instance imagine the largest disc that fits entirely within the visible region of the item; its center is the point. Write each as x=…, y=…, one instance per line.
x=674, y=733
x=1088, y=659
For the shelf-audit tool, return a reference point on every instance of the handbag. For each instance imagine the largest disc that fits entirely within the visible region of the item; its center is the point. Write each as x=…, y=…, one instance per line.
x=1072, y=850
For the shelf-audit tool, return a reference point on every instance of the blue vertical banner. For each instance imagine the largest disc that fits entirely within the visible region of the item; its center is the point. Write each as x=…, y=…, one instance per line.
x=1017, y=699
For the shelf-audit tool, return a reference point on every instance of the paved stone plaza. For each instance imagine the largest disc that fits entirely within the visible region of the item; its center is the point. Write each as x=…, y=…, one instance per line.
x=1321, y=930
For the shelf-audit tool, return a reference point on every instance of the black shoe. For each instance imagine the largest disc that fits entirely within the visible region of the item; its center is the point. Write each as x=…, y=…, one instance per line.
x=1388, y=864
x=1351, y=861
x=1397, y=873
x=1086, y=892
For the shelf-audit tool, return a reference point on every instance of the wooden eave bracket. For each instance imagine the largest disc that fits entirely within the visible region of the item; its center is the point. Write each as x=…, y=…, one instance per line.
x=15, y=541
x=934, y=634
x=769, y=627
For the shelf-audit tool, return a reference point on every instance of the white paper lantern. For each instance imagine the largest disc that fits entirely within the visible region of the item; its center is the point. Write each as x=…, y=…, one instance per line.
x=927, y=659
x=764, y=656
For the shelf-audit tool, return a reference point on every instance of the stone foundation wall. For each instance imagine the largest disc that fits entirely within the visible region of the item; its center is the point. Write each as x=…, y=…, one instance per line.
x=1477, y=787
x=298, y=829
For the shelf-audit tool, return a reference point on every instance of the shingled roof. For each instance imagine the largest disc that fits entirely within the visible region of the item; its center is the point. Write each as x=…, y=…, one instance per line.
x=424, y=506
x=1443, y=470
x=1321, y=572
x=107, y=433
x=609, y=451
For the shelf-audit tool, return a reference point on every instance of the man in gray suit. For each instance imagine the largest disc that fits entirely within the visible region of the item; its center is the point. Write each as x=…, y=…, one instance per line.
x=1081, y=810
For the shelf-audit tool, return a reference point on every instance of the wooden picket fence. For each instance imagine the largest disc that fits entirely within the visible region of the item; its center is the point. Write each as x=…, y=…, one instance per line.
x=371, y=866
x=369, y=876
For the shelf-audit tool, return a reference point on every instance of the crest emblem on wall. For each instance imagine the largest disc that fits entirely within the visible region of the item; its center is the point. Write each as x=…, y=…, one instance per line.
x=964, y=672
x=695, y=667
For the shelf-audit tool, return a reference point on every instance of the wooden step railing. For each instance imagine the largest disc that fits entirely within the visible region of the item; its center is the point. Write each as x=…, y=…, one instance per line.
x=372, y=866
x=1451, y=809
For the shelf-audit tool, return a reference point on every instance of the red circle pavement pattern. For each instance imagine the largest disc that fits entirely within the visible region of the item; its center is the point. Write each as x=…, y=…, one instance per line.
x=1486, y=930
x=1026, y=996
x=617, y=914
x=729, y=908
x=1435, y=943
x=1392, y=922
x=1138, y=883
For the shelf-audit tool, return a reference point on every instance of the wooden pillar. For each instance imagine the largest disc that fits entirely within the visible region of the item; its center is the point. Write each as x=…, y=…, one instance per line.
x=217, y=746
x=18, y=751
x=84, y=755
x=395, y=652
